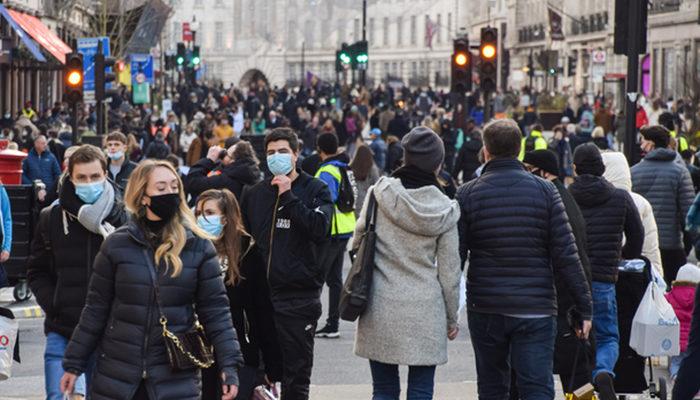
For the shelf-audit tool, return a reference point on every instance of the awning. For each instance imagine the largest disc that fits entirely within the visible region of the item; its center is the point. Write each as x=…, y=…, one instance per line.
x=42, y=34
x=28, y=42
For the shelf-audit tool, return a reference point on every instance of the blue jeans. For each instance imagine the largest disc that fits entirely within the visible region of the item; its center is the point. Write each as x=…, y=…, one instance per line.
x=53, y=368
x=607, y=335
x=528, y=343
x=386, y=385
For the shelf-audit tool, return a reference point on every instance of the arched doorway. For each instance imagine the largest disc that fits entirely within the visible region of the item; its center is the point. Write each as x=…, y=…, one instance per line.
x=252, y=75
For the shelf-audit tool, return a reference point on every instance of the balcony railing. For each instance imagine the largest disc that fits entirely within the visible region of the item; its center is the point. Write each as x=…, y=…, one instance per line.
x=589, y=24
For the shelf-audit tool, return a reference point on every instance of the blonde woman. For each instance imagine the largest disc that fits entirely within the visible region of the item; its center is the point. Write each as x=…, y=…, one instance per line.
x=125, y=308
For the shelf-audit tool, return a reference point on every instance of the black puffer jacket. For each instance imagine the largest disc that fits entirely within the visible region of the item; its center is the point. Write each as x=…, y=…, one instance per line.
x=518, y=238
x=233, y=177
x=608, y=213
x=665, y=182
x=60, y=264
x=122, y=178
x=301, y=229
x=468, y=159
x=120, y=319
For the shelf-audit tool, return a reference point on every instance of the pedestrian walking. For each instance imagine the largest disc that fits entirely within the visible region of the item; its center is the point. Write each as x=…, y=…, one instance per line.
x=120, y=168
x=232, y=169
x=218, y=214
x=412, y=308
x=148, y=279
x=379, y=148
x=40, y=165
x=543, y=163
x=609, y=213
x=617, y=172
x=533, y=141
x=366, y=175
x=516, y=236
x=334, y=173
x=6, y=233
x=665, y=182
x=289, y=216
x=687, y=383
x=681, y=297
x=66, y=242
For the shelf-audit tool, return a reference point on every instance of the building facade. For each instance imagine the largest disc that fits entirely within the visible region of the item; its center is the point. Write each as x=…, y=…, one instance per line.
x=584, y=60
x=409, y=40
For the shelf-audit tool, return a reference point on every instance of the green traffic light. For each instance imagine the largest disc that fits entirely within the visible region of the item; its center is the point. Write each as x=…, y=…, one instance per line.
x=362, y=58
x=345, y=58
x=195, y=60
x=180, y=60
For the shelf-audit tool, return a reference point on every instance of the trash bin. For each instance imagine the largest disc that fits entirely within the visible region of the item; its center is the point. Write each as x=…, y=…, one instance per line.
x=11, y=166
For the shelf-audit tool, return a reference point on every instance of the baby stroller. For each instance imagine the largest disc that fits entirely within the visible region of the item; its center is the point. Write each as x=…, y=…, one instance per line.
x=632, y=282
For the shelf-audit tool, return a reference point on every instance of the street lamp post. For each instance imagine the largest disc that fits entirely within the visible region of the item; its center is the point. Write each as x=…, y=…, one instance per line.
x=363, y=72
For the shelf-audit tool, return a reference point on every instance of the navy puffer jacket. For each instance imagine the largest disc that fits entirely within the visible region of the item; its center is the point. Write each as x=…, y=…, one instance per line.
x=608, y=213
x=120, y=319
x=662, y=178
x=517, y=236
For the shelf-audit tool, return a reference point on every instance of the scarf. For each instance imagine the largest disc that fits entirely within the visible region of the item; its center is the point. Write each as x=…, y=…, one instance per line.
x=412, y=177
x=90, y=216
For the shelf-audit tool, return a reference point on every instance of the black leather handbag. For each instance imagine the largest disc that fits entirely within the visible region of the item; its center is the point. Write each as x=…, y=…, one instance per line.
x=357, y=287
x=186, y=351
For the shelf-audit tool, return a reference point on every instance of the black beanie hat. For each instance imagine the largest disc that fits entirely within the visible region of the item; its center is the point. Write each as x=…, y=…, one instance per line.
x=543, y=159
x=424, y=149
x=588, y=160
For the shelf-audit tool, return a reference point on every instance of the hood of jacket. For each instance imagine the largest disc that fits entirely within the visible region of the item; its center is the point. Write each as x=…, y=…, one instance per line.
x=617, y=171
x=591, y=191
x=683, y=295
x=661, y=155
x=246, y=171
x=425, y=211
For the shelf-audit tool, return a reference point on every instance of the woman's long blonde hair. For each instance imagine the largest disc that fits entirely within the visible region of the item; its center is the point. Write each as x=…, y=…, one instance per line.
x=174, y=234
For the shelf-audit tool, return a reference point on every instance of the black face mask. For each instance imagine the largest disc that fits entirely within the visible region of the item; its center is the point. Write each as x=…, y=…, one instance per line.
x=165, y=205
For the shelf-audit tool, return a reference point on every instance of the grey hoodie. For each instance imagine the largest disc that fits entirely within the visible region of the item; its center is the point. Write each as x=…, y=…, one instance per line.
x=415, y=292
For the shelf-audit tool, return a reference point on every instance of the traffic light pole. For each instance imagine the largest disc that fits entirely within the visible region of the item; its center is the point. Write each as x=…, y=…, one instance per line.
x=363, y=72
x=633, y=43
x=74, y=122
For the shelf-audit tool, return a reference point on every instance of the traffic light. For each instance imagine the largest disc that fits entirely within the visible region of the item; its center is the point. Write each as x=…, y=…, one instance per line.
x=626, y=11
x=488, y=54
x=195, y=56
x=360, y=57
x=573, y=62
x=344, y=57
x=461, y=67
x=181, y=53
x=104, y=75
x=73, y=78
x=552, y=71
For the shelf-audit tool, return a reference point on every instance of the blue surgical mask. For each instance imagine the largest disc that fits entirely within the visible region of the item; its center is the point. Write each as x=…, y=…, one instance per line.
x=89, y=192
x=211, y=224
x=279, y=163
x=116, y=156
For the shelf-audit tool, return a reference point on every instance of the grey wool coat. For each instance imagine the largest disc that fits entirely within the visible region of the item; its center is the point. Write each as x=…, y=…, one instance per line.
x=415, y=291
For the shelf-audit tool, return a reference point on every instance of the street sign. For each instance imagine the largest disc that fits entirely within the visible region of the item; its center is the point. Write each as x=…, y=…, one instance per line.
x=88, y=48
x=142, y=68
x=186, y=32
x=142, y=93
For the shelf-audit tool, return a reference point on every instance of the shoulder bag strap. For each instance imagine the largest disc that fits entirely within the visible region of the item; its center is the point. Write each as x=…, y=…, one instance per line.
x=156, y=286
x=371, y=217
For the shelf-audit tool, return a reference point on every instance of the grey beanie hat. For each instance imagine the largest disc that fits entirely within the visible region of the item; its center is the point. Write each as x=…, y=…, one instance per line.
x=423, y=149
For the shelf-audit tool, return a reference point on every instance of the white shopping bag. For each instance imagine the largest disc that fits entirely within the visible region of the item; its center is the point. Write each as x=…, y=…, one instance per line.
x=8, y=339
x=655, y=327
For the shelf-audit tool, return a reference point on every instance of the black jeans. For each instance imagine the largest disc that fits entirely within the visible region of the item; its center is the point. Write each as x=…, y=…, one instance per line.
x=296, y=339
x=687, y=382
x=672, y=261
x=526, y=342
x=332, y=263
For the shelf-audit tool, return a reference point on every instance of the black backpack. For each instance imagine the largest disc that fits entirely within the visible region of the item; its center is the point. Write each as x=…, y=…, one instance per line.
x=346, y=191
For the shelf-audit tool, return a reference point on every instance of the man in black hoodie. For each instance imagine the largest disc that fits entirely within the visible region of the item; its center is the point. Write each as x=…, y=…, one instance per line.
x=543, y=163
x=608, y=212
x=66, y=242
x=289, y=217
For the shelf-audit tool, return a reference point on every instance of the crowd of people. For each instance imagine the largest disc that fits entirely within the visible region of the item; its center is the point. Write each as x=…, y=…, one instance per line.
x=224, y=218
